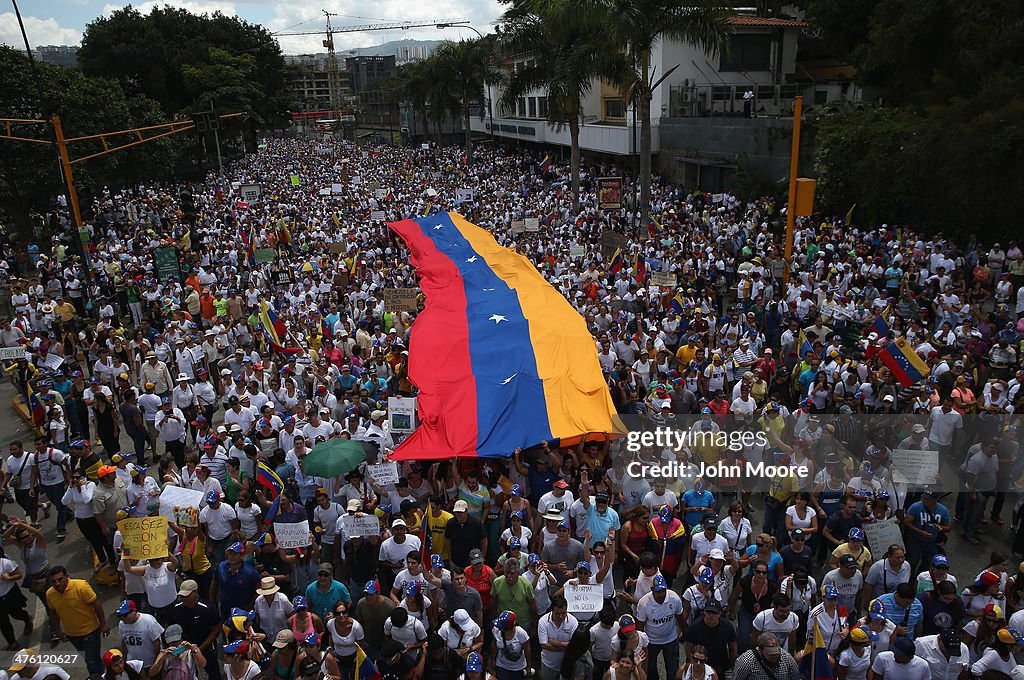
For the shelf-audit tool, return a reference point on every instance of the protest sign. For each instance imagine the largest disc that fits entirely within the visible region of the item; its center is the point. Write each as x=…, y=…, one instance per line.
x=880, y=535
x=717, y=198
x=400, y=299
x=336, y=188
x=402, y=414
x=186, y=516
x=250, y=192
x=365, y=525
x=585, y=599
x=663, y=279
x=383, y=474
x=425, y=146
x=380, y=193
x=609, y=193
x=338, y=247
x=12, y=353
x=612, y=241
x=53, y=361
x=463, y=195
x=265, y=255
x=577, y=251
x=532, y=224
x=292, y=534
x=518, y=226
x=166, y=261
x=326, y=191
x=176, y=496
x=916, y=468
x=377, y=215
x=356, y=180
x=295, y=180
x=145, y=538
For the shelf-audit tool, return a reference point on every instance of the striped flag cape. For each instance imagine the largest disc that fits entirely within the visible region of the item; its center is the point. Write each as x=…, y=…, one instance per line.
x=805, y=346
x=640, y=270
x=549, y=218
x=275, y=329
x=654, y=225
x=881, y=325
x=365, y=668
x=678, y=305
x=900, y=358
x=268, y=479
x=428, y=539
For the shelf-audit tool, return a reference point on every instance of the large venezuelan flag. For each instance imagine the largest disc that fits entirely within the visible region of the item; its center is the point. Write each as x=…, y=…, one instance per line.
x=501, y=359
x=900, y=358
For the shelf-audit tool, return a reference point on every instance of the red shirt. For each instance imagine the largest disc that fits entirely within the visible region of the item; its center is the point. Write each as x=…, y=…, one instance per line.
x=482, y=582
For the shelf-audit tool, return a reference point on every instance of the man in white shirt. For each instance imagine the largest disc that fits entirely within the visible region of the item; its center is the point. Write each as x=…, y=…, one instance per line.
x=217, y=520
x=140, y=633
x=659, y=613
x=558, y=500
x=171, y=426
x=945, y=422
x=946, y=654
x=901, y=663
x=780, y=620
x=554, y=631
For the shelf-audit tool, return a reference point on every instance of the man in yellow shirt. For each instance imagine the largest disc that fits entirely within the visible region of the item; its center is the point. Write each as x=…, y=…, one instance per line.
x=437, y=521
x=76, y=614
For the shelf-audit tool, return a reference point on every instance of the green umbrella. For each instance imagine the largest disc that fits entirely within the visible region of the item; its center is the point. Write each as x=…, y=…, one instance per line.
x=333, y=457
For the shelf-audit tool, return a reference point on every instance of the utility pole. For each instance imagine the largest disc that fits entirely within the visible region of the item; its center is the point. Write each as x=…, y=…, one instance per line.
x=794, y=161
x=216, y=140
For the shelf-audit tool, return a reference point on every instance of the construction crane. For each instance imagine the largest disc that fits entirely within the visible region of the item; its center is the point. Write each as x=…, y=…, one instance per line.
x=333, y=72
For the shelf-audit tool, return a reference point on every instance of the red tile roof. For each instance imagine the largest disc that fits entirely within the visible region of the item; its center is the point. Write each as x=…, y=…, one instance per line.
x=748, y=20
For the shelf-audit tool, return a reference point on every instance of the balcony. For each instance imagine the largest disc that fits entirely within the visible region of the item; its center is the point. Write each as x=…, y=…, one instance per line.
x=611, y=139
x=726, y=99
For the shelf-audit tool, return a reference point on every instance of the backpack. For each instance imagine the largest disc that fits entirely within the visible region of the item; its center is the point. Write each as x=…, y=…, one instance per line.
x=178, y=668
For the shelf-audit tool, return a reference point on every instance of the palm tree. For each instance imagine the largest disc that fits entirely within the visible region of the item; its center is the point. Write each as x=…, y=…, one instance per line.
x=567, y=58
x=466, y=67
x=631, y=28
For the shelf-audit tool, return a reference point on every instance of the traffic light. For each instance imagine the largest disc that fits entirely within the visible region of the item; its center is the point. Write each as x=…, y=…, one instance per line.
x=188, y=207
x=86, y=203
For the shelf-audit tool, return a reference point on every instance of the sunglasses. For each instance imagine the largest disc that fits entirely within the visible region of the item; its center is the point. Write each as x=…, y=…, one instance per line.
x=697, y=659
x=599, y=552
x=760, y=572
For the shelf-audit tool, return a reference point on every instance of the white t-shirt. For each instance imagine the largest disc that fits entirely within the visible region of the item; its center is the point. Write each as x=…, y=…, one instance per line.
x=7, y=566
x=251, y=671
x=345, y=645
x=50, y=465
x=916, y=669
x=248, y=518
x=391, y=551
x=510, y=650
x=660, y=617
x=44, y=672
x=161, y=590
x=765, y=622
x=218, y=520
x=21, y=469
x=856, y=666
x=139, y=637
x=409, y=634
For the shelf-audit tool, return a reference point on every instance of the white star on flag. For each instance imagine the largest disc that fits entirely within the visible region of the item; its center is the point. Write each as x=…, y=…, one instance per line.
x=497, y=318
x=437, y=227
x=471, y=259
x=508, y=379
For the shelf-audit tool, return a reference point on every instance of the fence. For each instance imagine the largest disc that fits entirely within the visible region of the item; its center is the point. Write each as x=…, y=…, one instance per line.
x=707, y=99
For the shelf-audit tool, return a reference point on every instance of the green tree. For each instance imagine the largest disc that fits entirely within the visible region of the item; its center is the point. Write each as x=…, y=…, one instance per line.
x=465, y=67
x=164, y=54
x=29, y=173
x=567, y=59
x=631, y=28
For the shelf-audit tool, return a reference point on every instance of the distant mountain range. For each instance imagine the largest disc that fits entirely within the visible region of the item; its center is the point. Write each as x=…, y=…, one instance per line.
x=392, y=47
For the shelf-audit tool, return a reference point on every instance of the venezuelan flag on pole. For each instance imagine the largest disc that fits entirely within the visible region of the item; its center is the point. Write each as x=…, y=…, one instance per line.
x=805, y=346
x=640, y=270
x=365, y=669
x=545, y=164
x=654, y=226
x=678, y=305
x=275, y=329
x=616, y=263
x=815, y=664
x=900, y=358
x=501, y=359
x=268, y=479
x=881, y=326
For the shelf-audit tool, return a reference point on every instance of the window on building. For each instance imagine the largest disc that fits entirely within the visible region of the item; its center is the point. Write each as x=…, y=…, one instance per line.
x=820, y=97
x=531, y=104
x=748, y=52
x=542, y=107
x=614, y=108
x=521, y=107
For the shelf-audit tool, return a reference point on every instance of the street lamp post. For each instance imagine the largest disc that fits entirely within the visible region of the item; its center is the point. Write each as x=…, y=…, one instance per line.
x=490, y=108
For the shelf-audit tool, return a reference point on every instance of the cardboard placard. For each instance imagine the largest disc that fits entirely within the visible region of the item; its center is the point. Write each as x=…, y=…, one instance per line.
x=377, y=215
x=585, y=599
x=400, y=299
x=364, y=525
x=166, y=261
x=663, y=279
x=383, y=474
x=186, y=516
x=464, y=195
x=880, y=535
x=336, y=188
x=577, y=251
x=178, y=497
x=356, y=180
x=717, y=198
x=338, y=247
x=265, y=255
x=250, y=192
x=292, y=534
x=518, y=226
x=53, y=361
x=609, y=193
x=916, y=468
x=12, y=353
x=145, y=538
x=532, y=224
x=402, y=414
x=295, y=180
x=612, y=241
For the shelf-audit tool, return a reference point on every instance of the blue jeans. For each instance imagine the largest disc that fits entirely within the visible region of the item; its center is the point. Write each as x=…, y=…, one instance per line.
x=89, y=646
x=55, y=492
x=671, y=653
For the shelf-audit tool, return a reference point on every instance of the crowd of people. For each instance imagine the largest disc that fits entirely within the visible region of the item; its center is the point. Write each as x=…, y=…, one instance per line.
x=270, y=334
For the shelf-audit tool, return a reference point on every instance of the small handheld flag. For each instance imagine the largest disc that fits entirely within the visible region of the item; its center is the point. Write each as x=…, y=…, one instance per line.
x=545, y=164
x=805, y=346
x=900, y=358
x=616, y=264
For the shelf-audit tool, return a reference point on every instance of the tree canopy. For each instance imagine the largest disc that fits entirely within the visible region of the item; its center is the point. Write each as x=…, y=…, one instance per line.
x=184, y=61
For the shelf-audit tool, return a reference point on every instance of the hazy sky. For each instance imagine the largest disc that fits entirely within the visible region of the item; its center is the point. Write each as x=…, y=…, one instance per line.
x=62, y=22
